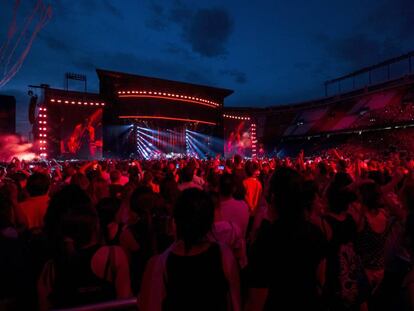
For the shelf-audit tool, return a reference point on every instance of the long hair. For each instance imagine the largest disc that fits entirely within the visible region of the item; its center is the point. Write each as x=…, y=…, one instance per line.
x=371, y=195
x=286, y=194
x=194, y=216
x=70, y=215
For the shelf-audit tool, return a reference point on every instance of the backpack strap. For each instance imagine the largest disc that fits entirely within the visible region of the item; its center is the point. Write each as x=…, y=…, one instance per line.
x=231, y=225
x=326, y=228
x=231, y=273
x=110, y=265
x=153, y=290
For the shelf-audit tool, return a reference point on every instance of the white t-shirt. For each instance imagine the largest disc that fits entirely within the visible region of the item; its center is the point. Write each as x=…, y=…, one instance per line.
x=229, y=234
x=237, y=212
x=188, y=185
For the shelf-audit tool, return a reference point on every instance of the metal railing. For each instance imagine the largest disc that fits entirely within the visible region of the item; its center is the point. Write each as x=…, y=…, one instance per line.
x=130, y=304
x=366, y=74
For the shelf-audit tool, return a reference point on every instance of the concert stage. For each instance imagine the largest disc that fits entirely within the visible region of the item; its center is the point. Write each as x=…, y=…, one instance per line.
x=132, y=116
x=137, y=116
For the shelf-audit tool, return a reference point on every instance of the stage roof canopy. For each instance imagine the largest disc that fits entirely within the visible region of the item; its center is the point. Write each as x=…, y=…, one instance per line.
x=120, y=80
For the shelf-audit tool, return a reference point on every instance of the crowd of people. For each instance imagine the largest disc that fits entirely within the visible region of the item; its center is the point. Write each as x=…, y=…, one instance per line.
x=316, y=233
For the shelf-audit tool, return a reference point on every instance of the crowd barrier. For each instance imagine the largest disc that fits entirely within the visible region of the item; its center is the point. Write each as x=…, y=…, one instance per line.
x=125, y=304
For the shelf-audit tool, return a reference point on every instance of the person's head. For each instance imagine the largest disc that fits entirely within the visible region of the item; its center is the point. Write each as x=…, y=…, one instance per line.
x=93, y=174
x=309, y=193
x=377, y=177
x=252, y=169
x=104, y=166
x=229, y=164
x=38, y=184
x=99, y=189
x=137, y=203
x=194, y=216
x=115, y=176
x=171, y=167
x=193, y=163
x=80, y=180
x=370, y=195
x=339, y=199
x=71, y=217
x=69, y=171
x=169, y=188
x=20, y=178
x=107, y=209
x=133, y=175
x=148, y=178
x=144, y=204
x=265, y=168
x=227, y=185
x=9, y=189
x=285, y=194
x=341, y=166
x=322, y=168
x=187, y=174
x=341, y=180
x=237, y=159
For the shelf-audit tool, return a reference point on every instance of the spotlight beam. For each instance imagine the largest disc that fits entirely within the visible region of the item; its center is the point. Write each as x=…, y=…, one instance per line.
x=148, y=145
x=198, y=151
x=199, y=144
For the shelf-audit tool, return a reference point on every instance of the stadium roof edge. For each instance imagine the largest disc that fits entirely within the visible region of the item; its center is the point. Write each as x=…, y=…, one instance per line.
x=399, y=82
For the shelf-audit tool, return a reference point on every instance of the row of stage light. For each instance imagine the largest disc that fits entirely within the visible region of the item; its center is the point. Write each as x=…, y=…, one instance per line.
x=148, y=139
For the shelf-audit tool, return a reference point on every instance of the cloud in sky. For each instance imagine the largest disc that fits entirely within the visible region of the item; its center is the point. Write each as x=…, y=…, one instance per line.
x=206, y=30
x=269, y=53
x=238, y=76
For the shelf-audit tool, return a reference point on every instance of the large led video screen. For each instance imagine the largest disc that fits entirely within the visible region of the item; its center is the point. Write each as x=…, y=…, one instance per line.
x=75, y=131
x=237, y=138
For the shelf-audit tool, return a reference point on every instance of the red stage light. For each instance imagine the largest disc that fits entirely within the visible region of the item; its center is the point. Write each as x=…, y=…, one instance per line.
x=236, y=117
x=167, y=118
x=74, y=102
x=163, y=95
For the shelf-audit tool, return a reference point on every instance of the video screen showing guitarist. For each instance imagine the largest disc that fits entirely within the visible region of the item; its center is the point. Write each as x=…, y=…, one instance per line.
x=80, y=133
x=82, y=141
